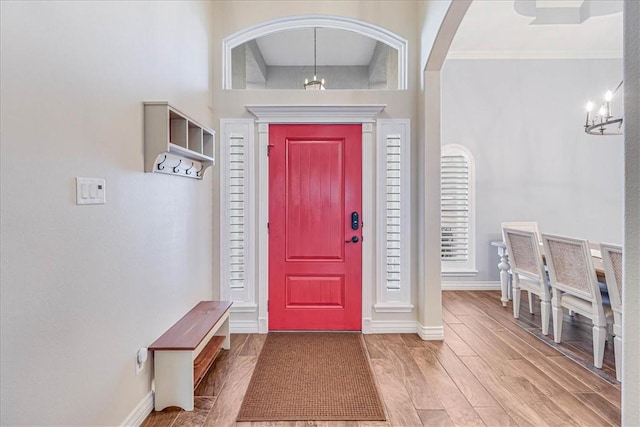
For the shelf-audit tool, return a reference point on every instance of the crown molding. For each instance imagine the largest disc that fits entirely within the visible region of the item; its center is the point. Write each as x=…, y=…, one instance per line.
x=541, y=54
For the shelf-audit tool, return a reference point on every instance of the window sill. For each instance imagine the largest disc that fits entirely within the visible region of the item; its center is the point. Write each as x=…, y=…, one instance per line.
x=459, y=273
x=243, y=307
x=393, y=308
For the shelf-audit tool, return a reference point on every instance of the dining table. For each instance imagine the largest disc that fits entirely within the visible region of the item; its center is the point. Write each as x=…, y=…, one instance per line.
x=505, y=267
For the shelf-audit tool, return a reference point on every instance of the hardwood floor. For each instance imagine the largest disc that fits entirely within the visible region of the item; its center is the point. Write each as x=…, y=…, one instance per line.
x=491, y=370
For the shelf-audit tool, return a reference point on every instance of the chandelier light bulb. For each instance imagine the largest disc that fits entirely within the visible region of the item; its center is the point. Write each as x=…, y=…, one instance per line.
x=589, y=106
x=608, y=96
x=602, y=111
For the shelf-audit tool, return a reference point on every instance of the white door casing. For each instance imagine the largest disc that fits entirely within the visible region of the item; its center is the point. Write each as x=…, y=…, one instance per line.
x=317, y=114
x=376, y=293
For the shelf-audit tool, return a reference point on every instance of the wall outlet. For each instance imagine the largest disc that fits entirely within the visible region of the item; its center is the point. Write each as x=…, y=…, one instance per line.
x=141, y=359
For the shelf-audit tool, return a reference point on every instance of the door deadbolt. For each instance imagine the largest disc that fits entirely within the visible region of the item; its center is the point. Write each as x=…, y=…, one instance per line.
x=355, y=220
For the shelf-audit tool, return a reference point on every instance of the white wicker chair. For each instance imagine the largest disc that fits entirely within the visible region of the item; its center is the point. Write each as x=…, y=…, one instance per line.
x=574, y=286
x=612, y=260
x=526, y=226
x=527, y=269
x=522, y=225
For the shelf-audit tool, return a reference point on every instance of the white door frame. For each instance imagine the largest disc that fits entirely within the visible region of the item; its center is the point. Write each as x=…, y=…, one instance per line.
x=365, y=115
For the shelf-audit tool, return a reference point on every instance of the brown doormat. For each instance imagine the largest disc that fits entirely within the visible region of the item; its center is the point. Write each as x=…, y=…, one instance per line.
x=316, y=376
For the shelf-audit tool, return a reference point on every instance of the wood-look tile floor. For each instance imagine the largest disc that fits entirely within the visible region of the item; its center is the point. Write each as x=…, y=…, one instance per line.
x=490, y=370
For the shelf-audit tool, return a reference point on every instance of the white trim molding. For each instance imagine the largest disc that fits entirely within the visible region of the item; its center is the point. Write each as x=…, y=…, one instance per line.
x=263, y=227
x=243, y=326
x=431, y=333
x=316, y=113
x=140, y=412
x=237, y=203
x=287, y=23
x=524, y=54
x=393, y=307
x=471, y=286
x=394, y=327
x=393, y=216
x=362, y=114
x=244, y=307
x=460, y=273
x=426, y=333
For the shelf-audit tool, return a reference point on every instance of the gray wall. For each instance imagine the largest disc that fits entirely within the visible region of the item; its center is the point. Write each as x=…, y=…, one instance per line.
x=522, y=120
x=354, y=77
x=631, y=268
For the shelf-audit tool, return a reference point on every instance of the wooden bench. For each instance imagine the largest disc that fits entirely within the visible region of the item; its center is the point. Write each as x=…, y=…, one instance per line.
x=184, y=354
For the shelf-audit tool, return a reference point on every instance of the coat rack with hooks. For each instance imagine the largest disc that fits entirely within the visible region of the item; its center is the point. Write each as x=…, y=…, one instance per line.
x=175, y=144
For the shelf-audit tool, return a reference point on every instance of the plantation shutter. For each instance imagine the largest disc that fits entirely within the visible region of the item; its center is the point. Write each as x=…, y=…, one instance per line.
x=455, y=206
x=393, y=218
x=393, y=195
x=236, y=163
x=237, y=201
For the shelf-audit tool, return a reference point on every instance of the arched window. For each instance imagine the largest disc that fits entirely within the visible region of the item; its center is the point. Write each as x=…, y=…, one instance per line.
x=346, y=53
x=457, y=197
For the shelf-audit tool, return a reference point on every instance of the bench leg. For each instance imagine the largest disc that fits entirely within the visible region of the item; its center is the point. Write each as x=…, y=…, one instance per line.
x=223, y=331
x=173, y=376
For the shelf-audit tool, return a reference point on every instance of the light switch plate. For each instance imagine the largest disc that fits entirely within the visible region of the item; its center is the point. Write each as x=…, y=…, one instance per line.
x=90, y=191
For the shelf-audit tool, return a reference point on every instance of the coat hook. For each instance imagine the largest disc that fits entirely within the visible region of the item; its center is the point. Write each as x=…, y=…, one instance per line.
x=160, y=167
x=199, y=173
x=188, y=171
x=176, y=168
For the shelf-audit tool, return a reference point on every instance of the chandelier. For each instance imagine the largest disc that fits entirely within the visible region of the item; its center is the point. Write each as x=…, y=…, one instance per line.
x=314, y=84
x=603, y=123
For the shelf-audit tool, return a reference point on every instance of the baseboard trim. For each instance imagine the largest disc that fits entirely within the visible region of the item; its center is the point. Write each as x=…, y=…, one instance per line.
x=243, y=326
x=471, y=286
x=140, y=413
x=431, y=333
x=394, y=327
x=366, y=325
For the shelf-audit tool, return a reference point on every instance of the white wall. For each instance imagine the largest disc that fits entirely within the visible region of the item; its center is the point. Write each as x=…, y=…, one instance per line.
x=523, y=121
x=84, y=287
x=439, y=21
x=396, y=16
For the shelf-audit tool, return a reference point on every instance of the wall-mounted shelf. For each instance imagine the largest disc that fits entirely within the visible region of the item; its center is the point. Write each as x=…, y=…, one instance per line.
x=174, y=143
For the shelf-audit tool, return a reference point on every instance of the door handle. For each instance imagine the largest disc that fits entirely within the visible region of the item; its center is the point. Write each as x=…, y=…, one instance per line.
x=354, y=239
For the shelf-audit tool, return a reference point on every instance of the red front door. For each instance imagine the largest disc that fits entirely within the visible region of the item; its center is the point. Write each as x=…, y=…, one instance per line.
x=315, y=187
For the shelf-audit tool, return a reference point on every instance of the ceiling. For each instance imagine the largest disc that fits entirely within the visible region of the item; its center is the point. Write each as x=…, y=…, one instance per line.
x=334, y=47
x=540, y=29
x=490, y=29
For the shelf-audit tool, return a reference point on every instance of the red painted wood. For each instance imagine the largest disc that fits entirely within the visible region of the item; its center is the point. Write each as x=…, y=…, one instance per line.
x=315, y=182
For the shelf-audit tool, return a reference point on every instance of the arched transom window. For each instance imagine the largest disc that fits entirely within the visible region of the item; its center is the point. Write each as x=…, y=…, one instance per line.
x=340, y=53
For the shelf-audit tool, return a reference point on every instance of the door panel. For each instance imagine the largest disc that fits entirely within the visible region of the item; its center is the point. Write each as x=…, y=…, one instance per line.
x=314, y=213
x=315, y=174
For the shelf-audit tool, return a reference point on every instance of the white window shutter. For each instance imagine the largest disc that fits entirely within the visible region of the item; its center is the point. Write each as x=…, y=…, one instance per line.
x=457, y=249
x=236, y=187
x=393, y=216
x=237, y=251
